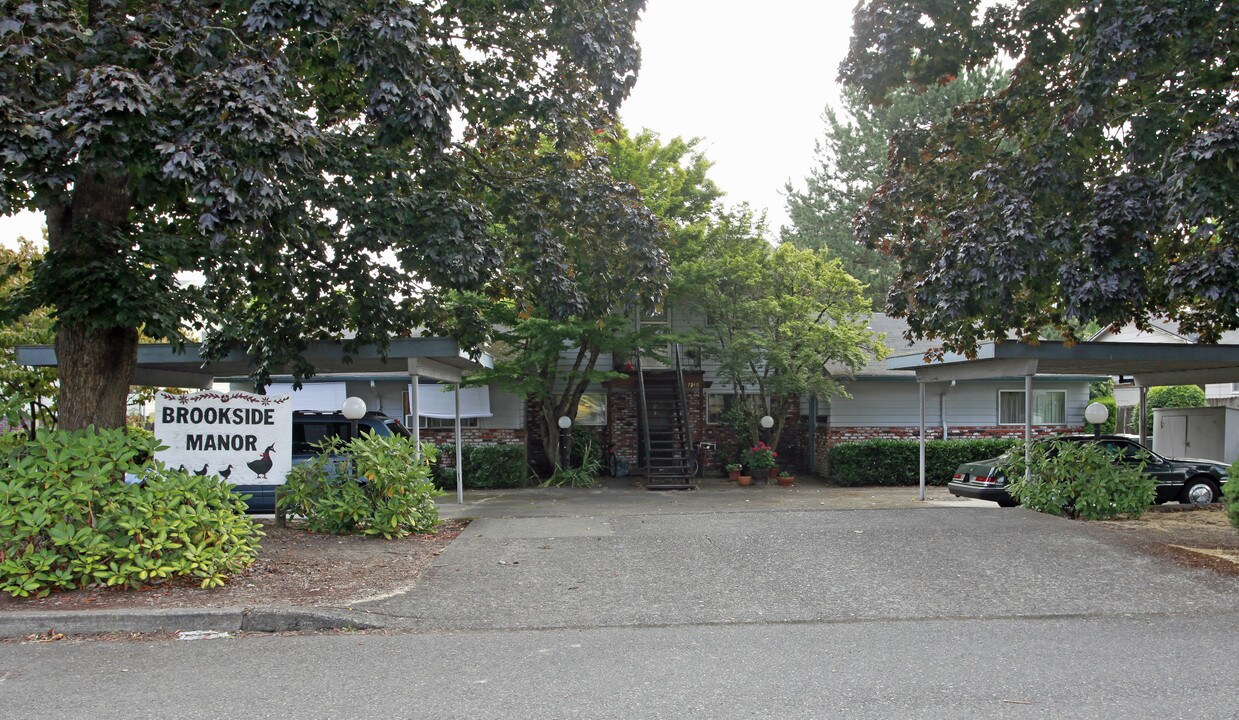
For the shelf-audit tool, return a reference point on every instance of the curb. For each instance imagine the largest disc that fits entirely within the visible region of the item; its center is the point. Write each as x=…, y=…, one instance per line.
x=100, y=622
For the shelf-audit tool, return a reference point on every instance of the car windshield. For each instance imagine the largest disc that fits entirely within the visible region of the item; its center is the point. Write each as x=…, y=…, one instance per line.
x=397, y=427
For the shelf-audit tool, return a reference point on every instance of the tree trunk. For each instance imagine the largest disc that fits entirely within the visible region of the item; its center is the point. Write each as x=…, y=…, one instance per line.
x=95, y=365
x=95, y=369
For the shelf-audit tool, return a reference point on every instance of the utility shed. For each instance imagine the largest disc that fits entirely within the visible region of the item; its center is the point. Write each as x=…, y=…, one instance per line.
x=1210, y=433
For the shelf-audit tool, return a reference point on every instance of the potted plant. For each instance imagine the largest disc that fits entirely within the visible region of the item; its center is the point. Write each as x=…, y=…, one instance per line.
x=786, y=479
x=745, y=479
x=761, y=457
x=733, y=470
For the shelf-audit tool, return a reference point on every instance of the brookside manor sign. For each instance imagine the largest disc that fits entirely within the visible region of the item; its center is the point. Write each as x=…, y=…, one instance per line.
x=245, y=439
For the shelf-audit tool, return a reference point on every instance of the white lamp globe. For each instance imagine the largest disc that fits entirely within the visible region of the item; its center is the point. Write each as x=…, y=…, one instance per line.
x=565, y=422
x=1096, y=413
x=354, y=408
x=767, y=422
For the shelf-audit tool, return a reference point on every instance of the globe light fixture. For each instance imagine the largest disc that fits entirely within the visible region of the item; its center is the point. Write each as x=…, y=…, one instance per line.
x=565, y=422
x=1096, y=414
x=354, y=408
x=767, y=422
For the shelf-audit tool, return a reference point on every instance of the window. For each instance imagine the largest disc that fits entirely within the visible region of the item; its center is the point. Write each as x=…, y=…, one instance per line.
x=430, y=423
x=592, y=410
x=716, y=405
x=1049, y=407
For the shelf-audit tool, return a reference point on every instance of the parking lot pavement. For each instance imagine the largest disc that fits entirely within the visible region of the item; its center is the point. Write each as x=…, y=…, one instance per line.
x=624, y=496
x=664, y=568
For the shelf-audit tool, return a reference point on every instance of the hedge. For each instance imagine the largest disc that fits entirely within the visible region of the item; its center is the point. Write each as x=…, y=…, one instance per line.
x=897, y=462
x=485, y=466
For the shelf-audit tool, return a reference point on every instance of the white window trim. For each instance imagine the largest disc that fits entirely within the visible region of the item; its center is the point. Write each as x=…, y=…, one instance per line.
x=1035, y=392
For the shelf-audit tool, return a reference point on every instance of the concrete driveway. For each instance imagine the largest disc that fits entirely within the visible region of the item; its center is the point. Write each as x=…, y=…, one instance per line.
x=619, y=557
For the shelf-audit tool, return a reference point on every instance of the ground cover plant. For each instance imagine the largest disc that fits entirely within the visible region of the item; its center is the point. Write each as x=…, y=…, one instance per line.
x=372, y=485
x=69, y=520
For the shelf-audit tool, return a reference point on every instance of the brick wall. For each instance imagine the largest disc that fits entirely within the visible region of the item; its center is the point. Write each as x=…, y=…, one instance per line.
x=622, y=416
x=475, y=436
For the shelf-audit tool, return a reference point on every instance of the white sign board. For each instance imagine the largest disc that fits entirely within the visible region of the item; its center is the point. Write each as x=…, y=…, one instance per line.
x=245, y=439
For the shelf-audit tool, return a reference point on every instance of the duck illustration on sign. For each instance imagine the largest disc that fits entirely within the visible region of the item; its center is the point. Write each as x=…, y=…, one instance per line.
x=262, y=465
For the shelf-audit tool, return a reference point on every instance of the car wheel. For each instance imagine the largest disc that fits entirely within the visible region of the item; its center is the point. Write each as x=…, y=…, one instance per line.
x=1008, y=503
x=1200, y=491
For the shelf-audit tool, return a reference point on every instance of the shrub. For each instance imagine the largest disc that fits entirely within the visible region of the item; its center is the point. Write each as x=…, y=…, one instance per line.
x=1107, y=427
x=1173, y=396
x=373, y=484
x=584, y=440
x=68, y=519
x=583, y=475
x=1079, y=480
x=897, y=462
x=1231, y=493
x=485, y=467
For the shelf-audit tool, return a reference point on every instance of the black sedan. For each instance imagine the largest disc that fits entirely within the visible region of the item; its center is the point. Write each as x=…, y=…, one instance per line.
x=1186, y=480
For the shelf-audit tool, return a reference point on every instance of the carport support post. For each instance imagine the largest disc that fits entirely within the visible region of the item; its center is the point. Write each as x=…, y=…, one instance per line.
x=1028, y=409
x=1144, y=413
x=460, y=471
x=921, y=494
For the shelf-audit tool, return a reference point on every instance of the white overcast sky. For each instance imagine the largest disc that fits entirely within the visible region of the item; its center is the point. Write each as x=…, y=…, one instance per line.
x=749, y=79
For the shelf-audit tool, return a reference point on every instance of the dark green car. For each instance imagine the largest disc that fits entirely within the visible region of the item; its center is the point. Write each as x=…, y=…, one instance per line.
x=1186, y=480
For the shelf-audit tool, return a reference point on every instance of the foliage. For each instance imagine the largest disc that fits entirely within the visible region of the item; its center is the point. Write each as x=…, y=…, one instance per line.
x=1101, y=389
x=897, y=462
x=583, y=475
x=782, y=323
x=553, y=356
x=760, y=457
x=848, y=164
x=484, y=467
x=734, y=467
x=373, y=484
x=584, y=442
x=24, y=388
x=1173, y=396
x=1230, y=491
x=1108, y=426
x=327, y=167
x=1100, y=185
x=1079, y=480
x=69, y=520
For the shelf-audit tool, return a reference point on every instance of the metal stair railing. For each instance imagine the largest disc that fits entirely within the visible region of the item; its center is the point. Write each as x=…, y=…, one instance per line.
x=645, y=418
x=686, y=424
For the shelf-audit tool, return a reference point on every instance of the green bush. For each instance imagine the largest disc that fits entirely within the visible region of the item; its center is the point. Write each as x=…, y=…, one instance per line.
x=372, y=484
x=1107, y=427
x=68, y=520
x=1173, y=396
x=1230, y=492
x=485, y=467
x=583, y=474
x=585, y=443
x=1079, y=480
x=897, y=462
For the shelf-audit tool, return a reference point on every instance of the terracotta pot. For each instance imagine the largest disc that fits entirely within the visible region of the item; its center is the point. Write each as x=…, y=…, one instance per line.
x=745, y=479
x=772, y=473
x=733, y=474
x=787, y=481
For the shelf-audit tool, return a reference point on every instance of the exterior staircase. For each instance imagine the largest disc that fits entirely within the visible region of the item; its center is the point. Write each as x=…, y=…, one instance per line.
x=669, y=458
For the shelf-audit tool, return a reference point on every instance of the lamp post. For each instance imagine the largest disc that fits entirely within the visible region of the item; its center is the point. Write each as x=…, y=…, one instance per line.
x=565, y=455
x=354, y=409
x=1096, y=414
x=766, y=423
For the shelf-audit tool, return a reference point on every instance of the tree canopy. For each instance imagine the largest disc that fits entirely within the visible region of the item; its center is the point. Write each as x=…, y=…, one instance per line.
x=782, y=322
x=26, y=394
x=849, y=161
x=553, y=357
x=326, y=167
x=1100, y=185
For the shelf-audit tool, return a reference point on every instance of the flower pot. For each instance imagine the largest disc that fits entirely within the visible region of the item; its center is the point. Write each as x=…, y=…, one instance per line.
x=733, y=474
x=745, y=479
x=787, y=480
x=772, y=473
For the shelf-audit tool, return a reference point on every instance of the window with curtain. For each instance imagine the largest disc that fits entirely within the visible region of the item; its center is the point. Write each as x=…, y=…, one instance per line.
x=592, y=410
x=717, y=404
x=1049, y=407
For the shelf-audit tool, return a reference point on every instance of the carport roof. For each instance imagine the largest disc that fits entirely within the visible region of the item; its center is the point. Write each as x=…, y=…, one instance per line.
x=440, y=358
x=1150, y=364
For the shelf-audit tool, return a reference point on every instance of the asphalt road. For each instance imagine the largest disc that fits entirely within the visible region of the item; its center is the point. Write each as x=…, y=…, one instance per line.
x=895, y=613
